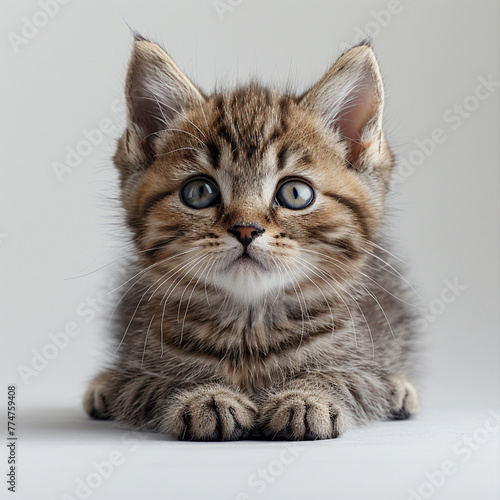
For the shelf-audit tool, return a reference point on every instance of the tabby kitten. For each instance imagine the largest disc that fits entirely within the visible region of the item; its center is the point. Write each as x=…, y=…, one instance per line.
x=261, y=301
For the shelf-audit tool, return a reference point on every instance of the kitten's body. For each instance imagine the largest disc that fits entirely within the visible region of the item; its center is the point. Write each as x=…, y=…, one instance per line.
x=299, y=329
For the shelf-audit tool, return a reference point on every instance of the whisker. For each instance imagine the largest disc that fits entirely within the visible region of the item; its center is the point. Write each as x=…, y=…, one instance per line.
x=320, y=291
x=205, y=118
x=184, y=132
x=174, y=110
x=355, y=302
x=169, y=274
x=146, y=341
x=140, y=274
x=373, y=297
x=190, y=296
x=281, y=289
x=190, y=265
x=113, y=261
x=151, y=266
x=300, y=305
x=166, y=300
x=208, y=272
x=136, y=309
x=338, y=295
x=338, y=263
x=187, y=286
x=174, y=150
x=398, y=274
x=99, y=268
x=387, y=251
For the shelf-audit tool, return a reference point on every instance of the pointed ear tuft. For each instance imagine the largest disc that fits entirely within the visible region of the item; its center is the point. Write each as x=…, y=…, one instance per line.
x=135, y=34
x=350, y=98
x=156, y=90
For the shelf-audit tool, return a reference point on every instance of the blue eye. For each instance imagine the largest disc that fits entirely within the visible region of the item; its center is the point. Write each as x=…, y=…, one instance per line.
x=200, y=193
x=295, y=195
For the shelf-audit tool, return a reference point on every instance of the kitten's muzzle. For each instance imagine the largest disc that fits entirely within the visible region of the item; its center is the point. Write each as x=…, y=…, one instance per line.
x=246, y=234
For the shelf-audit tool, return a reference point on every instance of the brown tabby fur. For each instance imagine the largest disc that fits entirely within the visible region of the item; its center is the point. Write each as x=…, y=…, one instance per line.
x=310, y=337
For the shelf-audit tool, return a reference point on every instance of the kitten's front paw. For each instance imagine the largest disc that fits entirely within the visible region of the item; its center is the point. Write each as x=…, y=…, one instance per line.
x=95, y=402
x=405, y=398
x=301, y=414
x=209, y=413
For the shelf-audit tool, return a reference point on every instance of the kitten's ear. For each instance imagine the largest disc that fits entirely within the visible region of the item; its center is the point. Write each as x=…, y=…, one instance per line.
x=350, y=97
x=156, y=91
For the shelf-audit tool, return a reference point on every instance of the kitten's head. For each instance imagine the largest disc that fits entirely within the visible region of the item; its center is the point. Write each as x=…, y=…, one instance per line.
x=250, y=190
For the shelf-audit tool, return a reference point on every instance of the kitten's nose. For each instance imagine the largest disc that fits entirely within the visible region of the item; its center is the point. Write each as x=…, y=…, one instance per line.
x=246, y=234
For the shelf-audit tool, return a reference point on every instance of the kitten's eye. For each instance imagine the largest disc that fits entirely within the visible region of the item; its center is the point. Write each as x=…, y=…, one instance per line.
x=295, y=195
x=200, y=193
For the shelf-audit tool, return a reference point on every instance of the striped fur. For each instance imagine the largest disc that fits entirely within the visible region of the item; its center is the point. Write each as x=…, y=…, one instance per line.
x=312, y=334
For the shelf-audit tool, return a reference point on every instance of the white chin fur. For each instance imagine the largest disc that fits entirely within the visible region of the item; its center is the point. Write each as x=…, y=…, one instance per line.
x=249, y=282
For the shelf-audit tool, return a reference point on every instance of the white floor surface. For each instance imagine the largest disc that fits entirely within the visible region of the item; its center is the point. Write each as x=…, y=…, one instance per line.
x=449, y=454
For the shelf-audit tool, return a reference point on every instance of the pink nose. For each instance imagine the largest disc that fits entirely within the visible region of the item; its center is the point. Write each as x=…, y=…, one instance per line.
x=246, y=234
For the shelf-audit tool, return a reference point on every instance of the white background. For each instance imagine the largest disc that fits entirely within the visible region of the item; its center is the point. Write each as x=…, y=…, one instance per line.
x=66, y=76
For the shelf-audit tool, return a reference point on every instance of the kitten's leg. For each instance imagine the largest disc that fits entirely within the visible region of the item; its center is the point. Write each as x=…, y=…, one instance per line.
x=95, y=400
x=197, y=412
x=324, y=406
x=405, y=398
x=303, y=409
x=210, y=412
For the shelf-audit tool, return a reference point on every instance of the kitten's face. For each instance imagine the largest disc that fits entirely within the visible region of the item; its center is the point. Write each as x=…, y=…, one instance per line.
x=251, y=192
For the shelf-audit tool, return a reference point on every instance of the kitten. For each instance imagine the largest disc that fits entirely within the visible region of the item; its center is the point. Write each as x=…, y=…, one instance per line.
x=262, y=301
